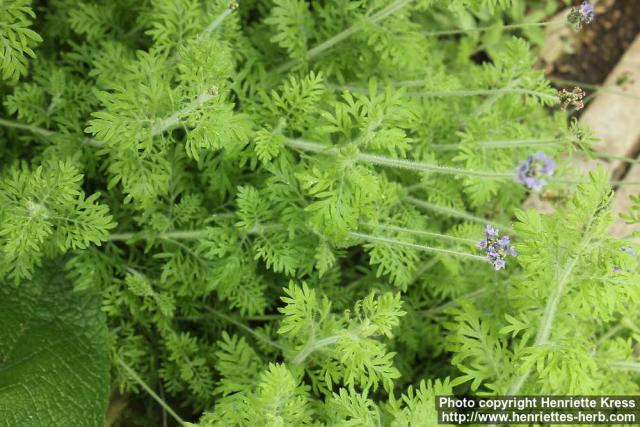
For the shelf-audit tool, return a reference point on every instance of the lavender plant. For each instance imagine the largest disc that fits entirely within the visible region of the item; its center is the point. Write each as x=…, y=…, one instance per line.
x=271, y=212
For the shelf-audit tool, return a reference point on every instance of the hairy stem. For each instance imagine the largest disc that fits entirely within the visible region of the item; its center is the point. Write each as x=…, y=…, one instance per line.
x=213, y=26
x=33, y=129
x=514, y=143
x=381, y=239
x=396, y=163
x=479, y=92
x=623, y=159
x=176, y=235
x=185, y=234
x=314, y=346
x=42, y=131
x=491, y=27
x=449, y=93
x=596, y=88
x=423, y=233
x=455, y=213
x=627, y=365
x=174, y=118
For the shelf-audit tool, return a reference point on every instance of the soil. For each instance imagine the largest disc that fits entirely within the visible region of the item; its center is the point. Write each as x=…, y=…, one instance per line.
x=601, y=44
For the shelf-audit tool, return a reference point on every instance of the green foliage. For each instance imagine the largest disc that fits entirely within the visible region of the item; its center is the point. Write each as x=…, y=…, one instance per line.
x=292, y=26
x=45, y=212
x=277, y=205
x=17, y=39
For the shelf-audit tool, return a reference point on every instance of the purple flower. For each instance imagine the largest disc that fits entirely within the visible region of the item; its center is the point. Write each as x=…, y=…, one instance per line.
x=578, y=16
x=587, y=12
x=531, y=172
x=490, y=231
x=499, y=263
x=496, y=248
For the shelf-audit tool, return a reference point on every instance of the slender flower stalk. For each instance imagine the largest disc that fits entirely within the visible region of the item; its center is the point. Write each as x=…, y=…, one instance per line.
x=622, y=159
x=594, y=88
x=390, y=241
x=514, y=143
x=479, y=92
x=184, y=234
x=443, y=210
x=448, y=93
x=627, y=365
x=492, y=27
x=423, y=233
x=394, y=162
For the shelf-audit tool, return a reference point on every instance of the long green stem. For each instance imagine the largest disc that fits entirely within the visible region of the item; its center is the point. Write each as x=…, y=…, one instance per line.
x=172, y=120
x=478, y=92
x=314, y=346
x=596, y=88
x=329, y=43
x=612, y=183
x=151, y=393
x=213, y=26
x=623, y=159
x=33, y=129
x=449, y=93
x=627, y=365
x=514, y=143
x=395, y=163
x=42, y=132
x=424, y=248
x=176, y=235
x=184, y=234
x=455, y=213
x=424, y=233
x=492, y=27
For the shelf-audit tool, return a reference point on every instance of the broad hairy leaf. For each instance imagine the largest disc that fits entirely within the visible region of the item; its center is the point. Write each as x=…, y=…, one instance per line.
x=54, y=365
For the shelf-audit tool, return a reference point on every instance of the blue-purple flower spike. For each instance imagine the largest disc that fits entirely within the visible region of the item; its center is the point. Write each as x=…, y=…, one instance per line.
x=579, y=16
x=531, y=172
x=496, y=248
